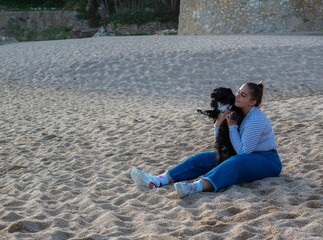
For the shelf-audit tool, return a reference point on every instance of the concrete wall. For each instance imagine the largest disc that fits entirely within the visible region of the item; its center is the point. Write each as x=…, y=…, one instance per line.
x=250, y=16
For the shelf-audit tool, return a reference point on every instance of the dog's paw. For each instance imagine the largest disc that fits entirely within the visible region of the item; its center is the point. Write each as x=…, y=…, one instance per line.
x=202, y=111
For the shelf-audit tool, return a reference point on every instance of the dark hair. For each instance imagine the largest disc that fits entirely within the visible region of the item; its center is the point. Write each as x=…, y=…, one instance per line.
x=256, y=91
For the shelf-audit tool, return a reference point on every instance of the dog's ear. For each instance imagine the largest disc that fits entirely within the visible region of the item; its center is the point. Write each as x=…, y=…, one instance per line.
x=229, y=91
x=214, y=104
x=232, y=97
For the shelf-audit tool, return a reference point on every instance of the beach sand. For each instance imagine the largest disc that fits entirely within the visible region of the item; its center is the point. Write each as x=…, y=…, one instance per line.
x=77, y=115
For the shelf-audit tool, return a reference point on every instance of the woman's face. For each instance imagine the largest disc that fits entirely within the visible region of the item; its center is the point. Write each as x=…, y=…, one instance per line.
x=243, y=98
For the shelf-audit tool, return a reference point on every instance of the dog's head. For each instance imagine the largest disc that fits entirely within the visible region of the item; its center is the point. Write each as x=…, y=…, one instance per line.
x=222, y=98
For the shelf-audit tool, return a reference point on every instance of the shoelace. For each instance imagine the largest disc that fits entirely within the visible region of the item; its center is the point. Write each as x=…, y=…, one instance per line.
x=191, y=191
x=190, y=187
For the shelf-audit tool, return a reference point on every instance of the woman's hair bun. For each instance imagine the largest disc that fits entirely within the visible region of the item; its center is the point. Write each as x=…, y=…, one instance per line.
x=261, y=85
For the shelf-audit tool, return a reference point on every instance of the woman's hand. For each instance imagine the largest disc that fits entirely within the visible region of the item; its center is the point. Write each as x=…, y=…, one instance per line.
x=222, y=116
x=230, y=119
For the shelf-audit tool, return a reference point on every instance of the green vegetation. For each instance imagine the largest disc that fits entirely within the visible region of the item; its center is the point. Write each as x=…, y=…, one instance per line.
x=54, y=33
x=111, y=11
x=27, y=4
x=161, y=14
x=97, y=12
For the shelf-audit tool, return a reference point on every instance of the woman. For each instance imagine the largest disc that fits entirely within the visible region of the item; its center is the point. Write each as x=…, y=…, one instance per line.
x=255, y=144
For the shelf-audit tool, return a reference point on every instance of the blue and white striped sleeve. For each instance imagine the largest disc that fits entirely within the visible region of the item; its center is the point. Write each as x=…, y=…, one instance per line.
x=249, y=139
x=216, y=131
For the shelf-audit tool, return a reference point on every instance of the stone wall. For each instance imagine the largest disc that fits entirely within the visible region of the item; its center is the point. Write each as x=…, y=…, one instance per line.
x=250, y=16
x=37, y=20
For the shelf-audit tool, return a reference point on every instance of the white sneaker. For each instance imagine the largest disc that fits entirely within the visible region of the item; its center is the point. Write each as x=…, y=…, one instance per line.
x=143, y=179
x=184, y=189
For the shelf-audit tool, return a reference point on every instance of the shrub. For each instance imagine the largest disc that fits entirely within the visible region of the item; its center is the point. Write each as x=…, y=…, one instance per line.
x=160, y=13
x=54, y=33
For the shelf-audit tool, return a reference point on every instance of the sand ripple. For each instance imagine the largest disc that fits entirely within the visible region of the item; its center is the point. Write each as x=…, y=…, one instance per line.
x=66, y=153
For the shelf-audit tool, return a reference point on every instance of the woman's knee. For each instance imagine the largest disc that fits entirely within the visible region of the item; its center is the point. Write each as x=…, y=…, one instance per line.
x=204, y=159
x=237, y=159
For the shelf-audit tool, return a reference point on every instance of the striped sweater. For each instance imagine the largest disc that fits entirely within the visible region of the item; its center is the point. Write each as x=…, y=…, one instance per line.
x=255, y=133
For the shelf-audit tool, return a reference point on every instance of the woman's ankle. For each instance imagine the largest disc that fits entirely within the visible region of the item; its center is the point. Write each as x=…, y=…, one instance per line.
x=207, y=186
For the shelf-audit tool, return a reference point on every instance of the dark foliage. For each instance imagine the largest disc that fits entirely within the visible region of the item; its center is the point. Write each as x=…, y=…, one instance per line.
x=26, y=4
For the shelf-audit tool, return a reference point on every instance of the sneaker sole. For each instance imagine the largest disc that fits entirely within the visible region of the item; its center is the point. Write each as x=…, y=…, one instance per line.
x=141, y=180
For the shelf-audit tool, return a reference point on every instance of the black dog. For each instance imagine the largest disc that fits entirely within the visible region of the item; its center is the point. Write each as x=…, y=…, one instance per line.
x=223, y=99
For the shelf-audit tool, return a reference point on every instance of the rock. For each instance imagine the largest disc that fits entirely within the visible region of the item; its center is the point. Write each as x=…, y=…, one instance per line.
x=167, y=32
x=83, y=32
x=101, y=33
x=6, y=39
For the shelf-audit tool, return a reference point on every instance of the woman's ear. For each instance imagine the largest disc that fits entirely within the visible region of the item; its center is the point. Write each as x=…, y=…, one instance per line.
x=252, y=102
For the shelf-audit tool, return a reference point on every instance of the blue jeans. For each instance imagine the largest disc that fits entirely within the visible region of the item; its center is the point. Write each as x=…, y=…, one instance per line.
x=238, y=169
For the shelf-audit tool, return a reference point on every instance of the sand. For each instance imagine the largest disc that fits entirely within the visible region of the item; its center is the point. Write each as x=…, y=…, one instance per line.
x=77, y=115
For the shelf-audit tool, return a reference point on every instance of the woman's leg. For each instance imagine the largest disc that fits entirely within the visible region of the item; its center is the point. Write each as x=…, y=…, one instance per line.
x=243, y=168
x=193, y=166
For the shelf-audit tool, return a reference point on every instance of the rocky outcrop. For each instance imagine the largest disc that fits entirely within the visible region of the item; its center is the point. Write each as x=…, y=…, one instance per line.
x=250, y=16
x=22, y=23
x=37, y=20
x=150, y=28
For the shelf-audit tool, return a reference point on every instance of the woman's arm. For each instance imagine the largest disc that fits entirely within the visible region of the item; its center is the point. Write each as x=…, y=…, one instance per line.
x=216, y=131
x=248, y=139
